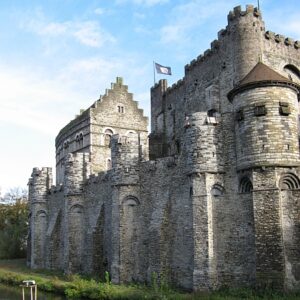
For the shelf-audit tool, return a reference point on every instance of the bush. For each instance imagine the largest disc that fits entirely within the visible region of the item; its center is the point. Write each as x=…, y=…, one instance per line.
x=13, y=230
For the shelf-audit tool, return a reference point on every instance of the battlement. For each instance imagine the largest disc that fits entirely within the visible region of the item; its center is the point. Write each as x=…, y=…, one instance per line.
x=161, y=86
x=281, y=39
x=41, y=176
x=175, y=86
x=233, y=16
x=44, y=171
x=56, y=189
x=237, y=12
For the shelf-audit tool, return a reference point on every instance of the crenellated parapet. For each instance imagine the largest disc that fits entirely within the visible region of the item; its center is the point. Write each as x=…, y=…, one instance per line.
x=281, y=39
x=39, y=184
x=237, y=13
x=56, y=189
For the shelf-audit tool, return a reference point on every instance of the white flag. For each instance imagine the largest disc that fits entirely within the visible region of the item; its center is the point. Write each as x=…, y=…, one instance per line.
x=162, y=70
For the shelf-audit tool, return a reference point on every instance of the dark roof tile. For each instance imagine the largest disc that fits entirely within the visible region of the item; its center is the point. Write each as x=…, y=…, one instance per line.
x=262, y=72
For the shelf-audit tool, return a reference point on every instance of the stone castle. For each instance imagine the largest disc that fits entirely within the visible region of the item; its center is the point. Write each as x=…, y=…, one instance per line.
x=210, y=198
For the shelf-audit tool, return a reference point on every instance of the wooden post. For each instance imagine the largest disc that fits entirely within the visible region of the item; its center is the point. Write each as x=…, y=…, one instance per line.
x=33, y=291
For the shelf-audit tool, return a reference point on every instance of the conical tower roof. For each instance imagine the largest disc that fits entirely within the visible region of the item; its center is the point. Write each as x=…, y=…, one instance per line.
x=262, y=72
x=261, y=75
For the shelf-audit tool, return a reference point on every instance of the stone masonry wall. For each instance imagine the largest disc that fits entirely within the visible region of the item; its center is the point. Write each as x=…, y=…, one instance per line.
x=271, y=138
x=210, y=209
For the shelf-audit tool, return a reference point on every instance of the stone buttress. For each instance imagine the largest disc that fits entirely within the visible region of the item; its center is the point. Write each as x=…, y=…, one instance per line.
x=77, y=169
x=39, y=184
x=204, y=166
x=126, y=153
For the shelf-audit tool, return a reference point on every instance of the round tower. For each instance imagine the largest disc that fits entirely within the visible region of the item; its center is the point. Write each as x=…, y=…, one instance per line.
x=266, y=112
x=246, y=30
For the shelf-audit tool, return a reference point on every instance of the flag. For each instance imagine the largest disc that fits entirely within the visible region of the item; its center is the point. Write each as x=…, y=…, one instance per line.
x=162, y=70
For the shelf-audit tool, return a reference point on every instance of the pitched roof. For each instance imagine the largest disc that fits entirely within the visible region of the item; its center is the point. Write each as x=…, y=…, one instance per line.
x=262, y=75
x=262, y=72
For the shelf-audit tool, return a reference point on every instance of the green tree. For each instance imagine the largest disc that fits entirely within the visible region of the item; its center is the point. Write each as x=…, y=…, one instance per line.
x=13, y=224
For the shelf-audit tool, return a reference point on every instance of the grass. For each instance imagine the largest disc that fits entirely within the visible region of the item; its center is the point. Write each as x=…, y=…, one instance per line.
x=12, y=272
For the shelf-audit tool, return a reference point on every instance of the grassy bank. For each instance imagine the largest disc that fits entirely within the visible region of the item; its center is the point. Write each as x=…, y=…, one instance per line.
x=13, y=272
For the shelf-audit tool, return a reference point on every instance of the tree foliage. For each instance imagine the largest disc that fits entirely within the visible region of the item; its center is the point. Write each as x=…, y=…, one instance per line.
x=13, y=224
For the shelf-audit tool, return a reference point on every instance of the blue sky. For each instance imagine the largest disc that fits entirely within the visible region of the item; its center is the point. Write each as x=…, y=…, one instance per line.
x=58, y=56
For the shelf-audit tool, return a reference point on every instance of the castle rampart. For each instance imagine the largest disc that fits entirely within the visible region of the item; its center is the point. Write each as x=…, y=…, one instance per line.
x=217, y=204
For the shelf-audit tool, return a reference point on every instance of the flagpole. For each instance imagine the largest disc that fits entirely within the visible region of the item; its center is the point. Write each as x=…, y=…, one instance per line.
x=154, y=72
x=258, y=4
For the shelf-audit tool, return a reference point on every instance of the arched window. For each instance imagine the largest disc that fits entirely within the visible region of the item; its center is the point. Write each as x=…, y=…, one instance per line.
x=107, y=137
x=217, y=190
x=79, y=140
x=41, y=214
x=292, y=72
x=245, y=185
x=289, y=181
x=66, y=144
x=76, y=209
x=130, y=201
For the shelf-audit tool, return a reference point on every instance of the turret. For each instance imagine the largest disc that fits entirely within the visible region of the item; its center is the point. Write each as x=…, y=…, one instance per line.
x=246, y=30
x=203, y=144
x=39, y=185
x=77, y=170
x=125, y=154
x=266, y=112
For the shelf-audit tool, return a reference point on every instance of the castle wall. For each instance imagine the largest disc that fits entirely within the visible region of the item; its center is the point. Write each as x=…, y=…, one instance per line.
x=168, y=215
x=218, y=203
x=55, y=230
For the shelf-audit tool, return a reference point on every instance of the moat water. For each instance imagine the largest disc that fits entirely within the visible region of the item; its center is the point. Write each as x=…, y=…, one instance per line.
x=15, y=293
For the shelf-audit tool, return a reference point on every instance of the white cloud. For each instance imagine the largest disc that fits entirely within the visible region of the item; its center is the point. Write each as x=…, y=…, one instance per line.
x=34, y=100
x=143, y=2
x=88, y=33
x=186, y=17
x=99, y=11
